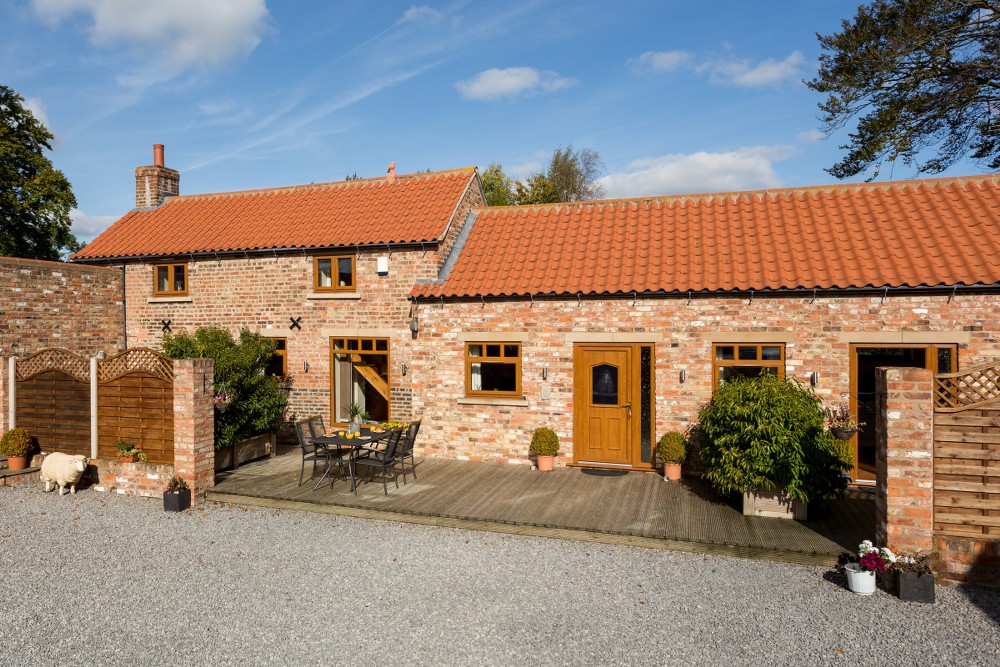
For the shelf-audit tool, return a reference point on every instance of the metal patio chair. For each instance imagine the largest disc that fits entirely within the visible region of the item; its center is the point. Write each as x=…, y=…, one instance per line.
x=310, y=452
x=382, y=459
x=405, y=449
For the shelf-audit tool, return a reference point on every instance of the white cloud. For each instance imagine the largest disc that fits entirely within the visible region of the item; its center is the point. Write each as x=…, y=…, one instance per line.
x=811, y=136
x=744, y=73
x=744, y=169
x=178, y=33
x=496, y=84
x=663, y=61
x=37, y=109
x=422, y=14
x=725, y=71
x=87, y=227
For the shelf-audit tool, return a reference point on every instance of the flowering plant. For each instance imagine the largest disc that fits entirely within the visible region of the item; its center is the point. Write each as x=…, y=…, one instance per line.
x=839, y=416
x=176, y=484
x=919, y=563
x=873, y=559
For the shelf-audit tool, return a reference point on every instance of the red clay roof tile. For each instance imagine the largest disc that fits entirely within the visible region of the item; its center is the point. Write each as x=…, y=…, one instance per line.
x=410, y=209
x=907, y=233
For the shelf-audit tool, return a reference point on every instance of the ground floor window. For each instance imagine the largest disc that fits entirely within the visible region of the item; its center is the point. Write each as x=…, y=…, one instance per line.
x=360, y=377
x=746, y=360
x=493, y=369
x=277, y=366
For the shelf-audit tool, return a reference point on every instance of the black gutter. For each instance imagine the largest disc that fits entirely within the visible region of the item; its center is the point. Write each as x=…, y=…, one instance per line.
x=952, y=290
x=229, y=254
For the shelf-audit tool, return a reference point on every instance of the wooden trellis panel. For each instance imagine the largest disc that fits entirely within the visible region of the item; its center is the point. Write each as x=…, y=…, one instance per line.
x=973, y=387
x=135, y=396
x=53, y=400
x=967, y=472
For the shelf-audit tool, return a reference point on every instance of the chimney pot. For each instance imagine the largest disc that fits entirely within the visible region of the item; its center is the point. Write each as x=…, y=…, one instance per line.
x=158, y=155
x=155, y=182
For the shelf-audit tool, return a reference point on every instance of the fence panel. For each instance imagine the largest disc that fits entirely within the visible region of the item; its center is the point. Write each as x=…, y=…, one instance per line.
x=135, y=392
x=53, y=400
x=967, y=467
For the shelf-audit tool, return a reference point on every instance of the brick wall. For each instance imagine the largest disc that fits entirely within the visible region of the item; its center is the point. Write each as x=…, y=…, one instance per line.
x=817, y=334
x=904, y=502
x=54, y=304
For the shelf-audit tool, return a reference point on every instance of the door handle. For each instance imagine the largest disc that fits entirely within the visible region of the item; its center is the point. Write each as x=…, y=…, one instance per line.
x=628, y=406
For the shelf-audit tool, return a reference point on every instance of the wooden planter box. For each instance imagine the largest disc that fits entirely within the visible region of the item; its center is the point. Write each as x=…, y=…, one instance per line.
x=247, y=450
x=773, y=504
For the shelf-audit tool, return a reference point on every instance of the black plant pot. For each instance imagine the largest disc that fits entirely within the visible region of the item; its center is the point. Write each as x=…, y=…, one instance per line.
x=843, y=433
x=176, y=501
x=914, y=587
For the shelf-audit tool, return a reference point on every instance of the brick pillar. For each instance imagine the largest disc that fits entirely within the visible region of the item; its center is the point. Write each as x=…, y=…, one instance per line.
x=904, y=501
x=194, y=424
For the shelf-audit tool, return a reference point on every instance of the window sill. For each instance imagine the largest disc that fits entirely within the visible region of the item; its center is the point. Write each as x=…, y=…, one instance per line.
x=486, y=400
x=170, y=299
x=334, y=295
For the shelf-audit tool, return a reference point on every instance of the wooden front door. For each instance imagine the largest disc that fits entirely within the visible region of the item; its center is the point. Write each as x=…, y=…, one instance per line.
x=604, y=404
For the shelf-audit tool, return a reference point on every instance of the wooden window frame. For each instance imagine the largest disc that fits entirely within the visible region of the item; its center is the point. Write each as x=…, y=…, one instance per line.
x=334, y=260
x=718, y=364
x=361, y=345
x=502, y=359
x=281, y=354
x=171, y=268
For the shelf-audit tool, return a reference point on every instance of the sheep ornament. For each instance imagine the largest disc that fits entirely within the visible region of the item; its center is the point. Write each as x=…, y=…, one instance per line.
x=63, y=470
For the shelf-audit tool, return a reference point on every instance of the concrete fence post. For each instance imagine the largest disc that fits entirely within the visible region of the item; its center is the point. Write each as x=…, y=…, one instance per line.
x=194, y=424
x=11, y=386
x=93, y=408
x=3, y=397
x=904, y=501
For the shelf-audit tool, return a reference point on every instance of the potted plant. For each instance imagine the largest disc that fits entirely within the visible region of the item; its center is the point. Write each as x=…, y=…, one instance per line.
x=16, y=445
x=128, y=452
x=861, y=571
x=357, y=415
x=177, y=495
x=672, y=450
x=911, y=577
x=544, y=447
x=841, y=422
x=765, y=437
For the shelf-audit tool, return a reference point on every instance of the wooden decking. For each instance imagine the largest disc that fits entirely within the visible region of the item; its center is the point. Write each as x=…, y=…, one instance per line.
x=635, y=508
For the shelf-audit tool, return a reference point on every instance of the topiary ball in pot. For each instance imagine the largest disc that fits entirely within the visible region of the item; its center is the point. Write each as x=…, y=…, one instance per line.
x=672, y=447
x=544, y=445
x=16, y=442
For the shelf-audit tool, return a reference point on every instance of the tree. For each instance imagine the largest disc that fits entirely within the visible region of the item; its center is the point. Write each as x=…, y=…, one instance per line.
x=917, y=74
x=574, y=174
x=497, y=185
x=537, y=190
x=35, y=198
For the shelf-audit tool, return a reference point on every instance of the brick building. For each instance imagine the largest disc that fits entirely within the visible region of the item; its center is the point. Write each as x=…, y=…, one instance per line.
x=326, y=269
x=612, y=321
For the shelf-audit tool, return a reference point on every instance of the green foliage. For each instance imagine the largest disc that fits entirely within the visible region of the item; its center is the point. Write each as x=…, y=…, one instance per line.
x=256, y=402
x=672, y=447
x=573, y=174
x=537, y=190
x=497, y=185
x=16, y=442
x=544, y=442
x=767, y=433
x=176, y=484
x=352, y=177
x=35, y=198
x=917, y=74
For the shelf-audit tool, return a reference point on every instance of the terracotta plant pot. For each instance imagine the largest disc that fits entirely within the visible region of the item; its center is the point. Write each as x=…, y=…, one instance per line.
x=17, y=462
x=128, y=459
x=546, y=463
x=672, y=472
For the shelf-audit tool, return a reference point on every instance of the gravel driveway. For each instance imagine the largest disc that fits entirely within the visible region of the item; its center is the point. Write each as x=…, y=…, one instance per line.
x=97, y=579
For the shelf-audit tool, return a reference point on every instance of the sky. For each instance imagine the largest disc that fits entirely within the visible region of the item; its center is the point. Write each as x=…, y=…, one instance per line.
x=676, y=96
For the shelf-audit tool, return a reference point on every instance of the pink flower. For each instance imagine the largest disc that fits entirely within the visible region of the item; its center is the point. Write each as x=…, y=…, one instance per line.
x=872, y=562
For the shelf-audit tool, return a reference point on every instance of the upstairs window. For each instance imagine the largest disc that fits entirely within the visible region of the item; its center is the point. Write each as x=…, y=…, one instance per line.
x=493, y=369
x=170, y=280
x=747, y=360
x=332, y=274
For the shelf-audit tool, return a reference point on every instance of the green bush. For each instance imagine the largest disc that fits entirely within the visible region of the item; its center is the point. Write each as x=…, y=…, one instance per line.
x=544, y=442
x=16, y=442
x=256, y=402
x=672, y=447
x=768, y=433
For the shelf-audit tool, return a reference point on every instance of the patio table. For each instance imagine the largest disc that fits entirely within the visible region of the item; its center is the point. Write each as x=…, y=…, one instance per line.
x=339, y=441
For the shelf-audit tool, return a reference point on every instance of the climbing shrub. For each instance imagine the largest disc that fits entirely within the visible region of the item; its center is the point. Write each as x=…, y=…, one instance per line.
x=256, y=402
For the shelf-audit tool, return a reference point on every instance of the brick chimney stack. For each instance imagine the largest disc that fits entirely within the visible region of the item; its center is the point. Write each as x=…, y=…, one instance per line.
x=155, y=182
